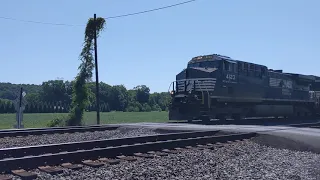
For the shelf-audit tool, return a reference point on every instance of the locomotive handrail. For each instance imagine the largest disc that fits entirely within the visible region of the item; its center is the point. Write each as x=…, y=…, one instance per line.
x=170, y=86
x=203, y=95
x=201, y=92
x=197, y=84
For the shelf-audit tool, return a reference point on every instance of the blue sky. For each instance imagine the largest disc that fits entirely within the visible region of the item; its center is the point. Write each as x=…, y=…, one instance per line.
x=152, y=48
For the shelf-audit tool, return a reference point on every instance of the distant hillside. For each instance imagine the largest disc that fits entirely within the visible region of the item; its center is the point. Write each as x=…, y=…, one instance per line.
x=57, y=93
x=10, y=91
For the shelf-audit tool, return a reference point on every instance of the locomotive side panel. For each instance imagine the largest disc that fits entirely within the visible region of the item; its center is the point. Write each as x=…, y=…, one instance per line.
x=241, y=79
x=274, y=110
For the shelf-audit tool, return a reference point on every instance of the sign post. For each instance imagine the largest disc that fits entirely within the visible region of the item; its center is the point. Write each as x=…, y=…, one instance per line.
x=19, y=105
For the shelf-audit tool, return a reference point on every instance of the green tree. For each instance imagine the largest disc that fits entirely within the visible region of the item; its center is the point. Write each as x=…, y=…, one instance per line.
x=107, y=107
x=164, y=101
x=118, y=98
x=26, y=109
x=5, y=106
x=2, y=107
x=54, y=91
x=44, y=107
x=143, y=93
x=65, y=108
x=33, y=98
x=49, y=107
x=146, y=107
x=10, y=107
x=112, y=98
x=60, y=107
x=36, y=108
x=9, y=91
x=103, y=107
x=156, y=107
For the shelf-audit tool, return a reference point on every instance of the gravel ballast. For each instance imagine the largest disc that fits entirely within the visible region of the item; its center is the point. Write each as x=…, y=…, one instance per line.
x=238, y=160
x=121, y=132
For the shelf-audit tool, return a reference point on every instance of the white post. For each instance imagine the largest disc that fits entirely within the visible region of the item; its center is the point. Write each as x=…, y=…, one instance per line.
x=19, y=120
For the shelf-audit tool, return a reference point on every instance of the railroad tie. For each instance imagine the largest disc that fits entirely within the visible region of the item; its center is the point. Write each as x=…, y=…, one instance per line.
x=214, y=146
x=50, y=169
x=3, y=177
x=127, y=158
x=202, y=147
x=110, y=161
x=24, y=174
x=71, y=166
x=143, y=155
x=170, y=151
x=219, y=144
x=92, y=163
x=157, y=153
x=190, y=147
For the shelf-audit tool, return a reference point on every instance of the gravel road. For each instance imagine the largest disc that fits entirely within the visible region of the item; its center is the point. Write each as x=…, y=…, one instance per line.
x=73, y=137
x=239, y=160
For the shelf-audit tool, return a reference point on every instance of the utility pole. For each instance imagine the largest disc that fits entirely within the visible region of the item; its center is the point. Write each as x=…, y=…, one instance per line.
x=96, y=66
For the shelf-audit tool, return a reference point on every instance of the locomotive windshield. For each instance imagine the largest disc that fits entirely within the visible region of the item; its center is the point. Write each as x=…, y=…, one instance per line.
x=205, y=64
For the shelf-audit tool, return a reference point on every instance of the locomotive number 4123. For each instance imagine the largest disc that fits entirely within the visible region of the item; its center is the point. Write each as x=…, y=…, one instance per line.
x=231, y=77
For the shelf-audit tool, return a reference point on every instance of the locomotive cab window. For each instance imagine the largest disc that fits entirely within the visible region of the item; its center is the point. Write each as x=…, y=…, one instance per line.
x=229, y=66
x=240, y=69
x=258, y=71
x=264, y=71
x=205, y=64
x=251, y=67
x=194, y=65
x=245, y=68
x=226, y=66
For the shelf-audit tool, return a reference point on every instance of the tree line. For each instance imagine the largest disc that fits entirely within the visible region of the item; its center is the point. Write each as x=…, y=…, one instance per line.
x=55, y=96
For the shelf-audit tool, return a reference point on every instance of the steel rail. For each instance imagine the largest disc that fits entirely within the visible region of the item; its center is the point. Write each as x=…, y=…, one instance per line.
x=306, y=124
x=316, y=127
x=78, y=156
x=40, y=131
x=85, y=145
x=253, y=121
x=44, y=128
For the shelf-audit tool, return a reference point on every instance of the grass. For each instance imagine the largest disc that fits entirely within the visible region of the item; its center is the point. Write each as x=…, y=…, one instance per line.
x=38, y=120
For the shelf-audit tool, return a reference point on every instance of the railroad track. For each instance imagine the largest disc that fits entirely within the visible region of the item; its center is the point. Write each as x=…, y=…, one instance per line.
x=55, y=130
x=50, y=158
x=311, y=125
x=256, y=121
x=317, y=126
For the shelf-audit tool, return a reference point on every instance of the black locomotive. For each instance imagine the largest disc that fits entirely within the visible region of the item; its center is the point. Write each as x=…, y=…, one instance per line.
x=219, y=87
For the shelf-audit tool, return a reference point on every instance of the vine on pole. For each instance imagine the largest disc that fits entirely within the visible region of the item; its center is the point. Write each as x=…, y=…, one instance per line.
x=81, y=93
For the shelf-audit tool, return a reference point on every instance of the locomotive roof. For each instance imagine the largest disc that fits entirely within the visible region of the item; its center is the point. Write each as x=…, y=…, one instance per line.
x=217, y=57
x=303, y=77
x=211, y=57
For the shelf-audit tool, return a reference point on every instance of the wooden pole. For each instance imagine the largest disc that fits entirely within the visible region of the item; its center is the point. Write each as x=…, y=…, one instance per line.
x=97, y=72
